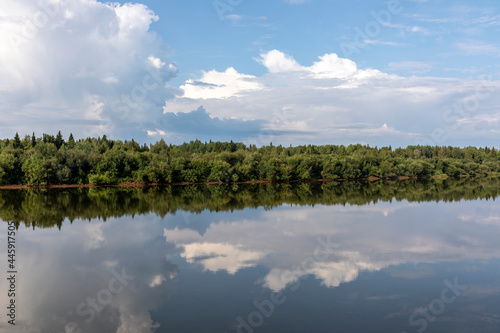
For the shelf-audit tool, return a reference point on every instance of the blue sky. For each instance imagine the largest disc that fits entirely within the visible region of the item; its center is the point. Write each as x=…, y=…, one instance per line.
x=438, y=38
x=287, y=71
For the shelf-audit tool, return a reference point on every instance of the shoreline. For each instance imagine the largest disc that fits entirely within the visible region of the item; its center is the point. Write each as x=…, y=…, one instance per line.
x=262, y=181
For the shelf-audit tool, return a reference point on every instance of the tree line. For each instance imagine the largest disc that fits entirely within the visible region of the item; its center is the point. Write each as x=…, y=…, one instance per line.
x=51, y=159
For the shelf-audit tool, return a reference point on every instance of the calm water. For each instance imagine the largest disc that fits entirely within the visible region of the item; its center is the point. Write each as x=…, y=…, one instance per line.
x=359, y=257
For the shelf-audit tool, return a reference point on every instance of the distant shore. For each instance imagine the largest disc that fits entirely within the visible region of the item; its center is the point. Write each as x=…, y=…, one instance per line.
x=52, y=162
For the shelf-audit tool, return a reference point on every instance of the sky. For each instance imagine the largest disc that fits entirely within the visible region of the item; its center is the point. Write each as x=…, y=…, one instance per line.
x=290, y=72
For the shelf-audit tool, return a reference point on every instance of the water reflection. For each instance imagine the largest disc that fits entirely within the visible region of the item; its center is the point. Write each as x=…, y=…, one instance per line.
x=48, y=208
x=366, y=238
x=390, y=261
x=168, y=263
x=66, y=279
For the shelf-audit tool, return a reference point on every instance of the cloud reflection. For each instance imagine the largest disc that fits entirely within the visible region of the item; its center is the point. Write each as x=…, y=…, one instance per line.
x=371, y=238
x=64, y=277
x=62, y=270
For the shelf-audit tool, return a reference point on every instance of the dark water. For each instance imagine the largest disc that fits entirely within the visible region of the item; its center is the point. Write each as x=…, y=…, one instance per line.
x=353, y=257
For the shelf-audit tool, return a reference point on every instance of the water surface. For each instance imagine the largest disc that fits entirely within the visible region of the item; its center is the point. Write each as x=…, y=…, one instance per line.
x=333, y=257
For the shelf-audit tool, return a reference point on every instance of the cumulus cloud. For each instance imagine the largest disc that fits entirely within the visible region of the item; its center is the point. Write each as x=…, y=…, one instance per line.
x=335, y=101
x=180, y=126
x=214, y=84
x=94, y=67
x=276, y=61
x=329, y=66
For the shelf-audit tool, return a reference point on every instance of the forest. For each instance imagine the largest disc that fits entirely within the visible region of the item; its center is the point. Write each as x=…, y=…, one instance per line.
x=51, y=159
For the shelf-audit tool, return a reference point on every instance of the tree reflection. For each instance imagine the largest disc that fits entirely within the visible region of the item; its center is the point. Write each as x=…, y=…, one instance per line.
x=49, y=208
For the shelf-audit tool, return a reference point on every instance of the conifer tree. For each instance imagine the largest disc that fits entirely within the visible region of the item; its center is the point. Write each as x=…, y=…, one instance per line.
x=17, y=141
x=71, y=141
x=59, y=141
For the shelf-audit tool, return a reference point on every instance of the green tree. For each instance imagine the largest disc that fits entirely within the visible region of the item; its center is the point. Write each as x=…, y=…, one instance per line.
x=71, y=141
x=17, y=141
x=43, y=166
x=59, y=141
x=220, y=171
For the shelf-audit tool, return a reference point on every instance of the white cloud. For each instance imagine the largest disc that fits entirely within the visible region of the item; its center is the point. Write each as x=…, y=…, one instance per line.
x=234, y=17
x=276, y=61
x=476, y=47
x=381, y=42
x=100, y=70
x=156, y=132
x=98, y=67
x=215, y=84
x=156, y=62
x=335, y=101
x=331, y=66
